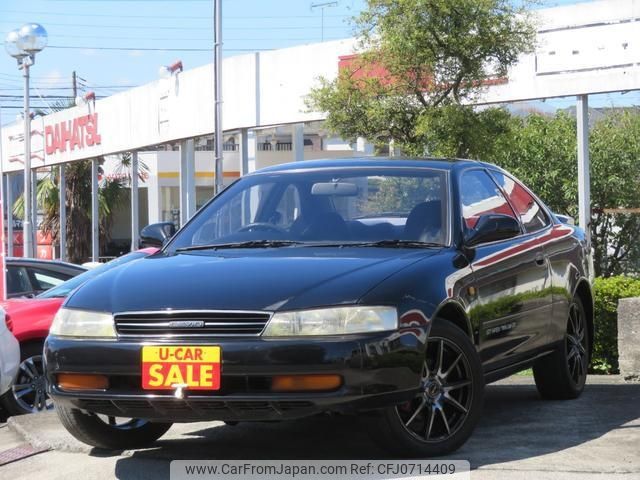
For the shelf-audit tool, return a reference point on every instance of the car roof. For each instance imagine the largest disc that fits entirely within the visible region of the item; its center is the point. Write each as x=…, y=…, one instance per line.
x=373, y=162
x=43, y=263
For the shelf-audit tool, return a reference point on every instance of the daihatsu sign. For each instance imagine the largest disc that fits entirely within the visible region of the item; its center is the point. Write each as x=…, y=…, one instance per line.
x=77, y=133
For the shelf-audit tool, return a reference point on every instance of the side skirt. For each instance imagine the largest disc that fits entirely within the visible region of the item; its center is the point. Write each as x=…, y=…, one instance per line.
x=494, y=375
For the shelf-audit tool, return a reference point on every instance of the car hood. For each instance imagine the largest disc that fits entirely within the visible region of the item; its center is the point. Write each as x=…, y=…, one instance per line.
x=262, y=279
x=25, y=306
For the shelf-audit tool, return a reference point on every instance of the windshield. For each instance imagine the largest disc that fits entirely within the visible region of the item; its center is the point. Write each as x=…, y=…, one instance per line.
x=67, y=287
x=328, y=206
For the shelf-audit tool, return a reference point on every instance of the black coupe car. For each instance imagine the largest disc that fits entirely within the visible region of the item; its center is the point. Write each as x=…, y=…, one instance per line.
x=393, y=289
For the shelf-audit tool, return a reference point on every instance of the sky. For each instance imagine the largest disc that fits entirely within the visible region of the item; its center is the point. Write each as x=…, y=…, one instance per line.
x=115, y=44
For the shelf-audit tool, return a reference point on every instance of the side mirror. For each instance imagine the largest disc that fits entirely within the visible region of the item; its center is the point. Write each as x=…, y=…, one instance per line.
x=493, y=227
x=566, y=219
x=157, y=234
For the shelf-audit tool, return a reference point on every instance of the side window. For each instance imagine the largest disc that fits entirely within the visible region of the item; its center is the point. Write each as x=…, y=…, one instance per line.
x=530, y=212
x=46, y=279
x=18, y=281
x=480, y=195
x=288, y=209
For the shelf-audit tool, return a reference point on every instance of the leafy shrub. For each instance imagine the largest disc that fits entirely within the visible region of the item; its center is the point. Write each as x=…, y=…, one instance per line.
x=607, y=292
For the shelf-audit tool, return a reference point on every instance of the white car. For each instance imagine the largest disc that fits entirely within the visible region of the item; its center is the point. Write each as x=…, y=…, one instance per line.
x=9, y=355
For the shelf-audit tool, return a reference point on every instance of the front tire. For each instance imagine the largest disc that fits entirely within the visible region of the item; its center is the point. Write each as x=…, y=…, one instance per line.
x=444, y=413
x=562, y=374
x=112, y=434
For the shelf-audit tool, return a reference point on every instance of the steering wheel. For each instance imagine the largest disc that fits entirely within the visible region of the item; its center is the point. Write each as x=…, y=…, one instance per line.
x=261, y=226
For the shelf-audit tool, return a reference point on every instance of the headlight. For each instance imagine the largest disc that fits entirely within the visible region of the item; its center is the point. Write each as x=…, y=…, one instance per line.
x=69, y=322
x=332, y=321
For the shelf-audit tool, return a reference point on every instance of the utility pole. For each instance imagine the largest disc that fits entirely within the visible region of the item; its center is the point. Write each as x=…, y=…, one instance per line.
x=217, y=75
x=74, y=84
x=322, y=6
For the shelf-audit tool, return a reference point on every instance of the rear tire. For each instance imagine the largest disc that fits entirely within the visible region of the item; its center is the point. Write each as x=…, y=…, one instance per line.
x=562, y=374
x=444, y=413
x=89, y=428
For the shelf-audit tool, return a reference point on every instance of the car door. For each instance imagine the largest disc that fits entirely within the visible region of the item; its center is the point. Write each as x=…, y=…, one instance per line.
x=555, y=243
x=510, y=304
x=18, y=284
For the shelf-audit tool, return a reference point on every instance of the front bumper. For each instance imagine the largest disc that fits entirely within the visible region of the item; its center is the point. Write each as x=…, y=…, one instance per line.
x=378, y=370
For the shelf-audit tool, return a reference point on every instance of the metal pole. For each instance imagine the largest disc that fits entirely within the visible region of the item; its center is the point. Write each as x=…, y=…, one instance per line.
x=34, y=211
x=62, y=212
x=9, y=210
x=244, y=151
x=297, y=141
x=217, y=73
x=27, y=233
x=135, y=234
x=184, y=214
x=584, y=191
x=190, y=148
x=95, y=229
x=3, y=253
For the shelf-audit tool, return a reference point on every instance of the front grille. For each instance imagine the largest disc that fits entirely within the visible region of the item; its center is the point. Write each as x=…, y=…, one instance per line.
x=191, y=323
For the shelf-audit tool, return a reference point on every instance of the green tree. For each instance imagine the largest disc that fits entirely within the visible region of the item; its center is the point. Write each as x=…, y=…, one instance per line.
x=422, y=61
x=542, y=152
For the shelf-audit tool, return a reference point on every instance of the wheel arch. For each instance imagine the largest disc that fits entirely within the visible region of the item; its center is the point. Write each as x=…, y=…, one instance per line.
x=454, y=313
x=584, y=292
x=28, y=343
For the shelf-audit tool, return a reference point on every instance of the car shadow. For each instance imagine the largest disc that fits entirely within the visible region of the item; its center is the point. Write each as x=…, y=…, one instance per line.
x=515, y=425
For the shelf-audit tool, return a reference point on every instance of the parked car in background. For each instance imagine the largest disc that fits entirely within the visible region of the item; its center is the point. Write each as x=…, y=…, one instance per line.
x=389, y=288
x=9, y=355
x=30, y=319
x=27, y=277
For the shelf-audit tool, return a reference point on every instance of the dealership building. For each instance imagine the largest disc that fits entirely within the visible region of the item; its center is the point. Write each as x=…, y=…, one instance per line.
x=167, y=125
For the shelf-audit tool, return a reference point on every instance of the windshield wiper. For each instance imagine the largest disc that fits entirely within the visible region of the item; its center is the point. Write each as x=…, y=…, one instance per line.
x=396, y=243
x=247, y=244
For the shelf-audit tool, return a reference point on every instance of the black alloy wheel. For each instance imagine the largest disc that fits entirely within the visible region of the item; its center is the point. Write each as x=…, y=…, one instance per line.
x=576, y=345
x=562, y=374
x=444, y=401
x=447, y=405
x=28, y=394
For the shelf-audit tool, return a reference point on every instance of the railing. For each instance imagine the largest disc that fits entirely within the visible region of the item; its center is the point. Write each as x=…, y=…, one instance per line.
x=279, y=147
x=226, y=147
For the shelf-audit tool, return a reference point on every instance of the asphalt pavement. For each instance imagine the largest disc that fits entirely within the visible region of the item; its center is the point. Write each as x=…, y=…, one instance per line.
x=519, y=437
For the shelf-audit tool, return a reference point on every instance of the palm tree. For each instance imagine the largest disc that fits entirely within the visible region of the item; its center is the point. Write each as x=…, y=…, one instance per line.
x=78, y=204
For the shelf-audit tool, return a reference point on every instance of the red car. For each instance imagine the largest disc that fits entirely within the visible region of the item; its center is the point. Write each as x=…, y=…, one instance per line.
x=29, y=319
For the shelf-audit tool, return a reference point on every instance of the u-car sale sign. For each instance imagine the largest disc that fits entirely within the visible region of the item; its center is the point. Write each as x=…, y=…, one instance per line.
x=191, y=367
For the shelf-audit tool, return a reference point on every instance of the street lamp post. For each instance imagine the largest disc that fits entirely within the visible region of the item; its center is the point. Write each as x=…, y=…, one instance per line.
x=23, y=44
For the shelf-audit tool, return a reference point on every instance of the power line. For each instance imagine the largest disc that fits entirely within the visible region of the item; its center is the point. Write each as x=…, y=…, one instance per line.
x=166, y=27
x=186, y=17
x=19, y=89
x=143, y=49
x=182, y=39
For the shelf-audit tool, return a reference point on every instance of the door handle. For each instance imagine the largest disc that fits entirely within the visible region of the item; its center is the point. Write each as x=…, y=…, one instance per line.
x=540, y=260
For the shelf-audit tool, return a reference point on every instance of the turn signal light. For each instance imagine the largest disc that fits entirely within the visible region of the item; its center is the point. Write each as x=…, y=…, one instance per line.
x=76, y=381
x=305, y=383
